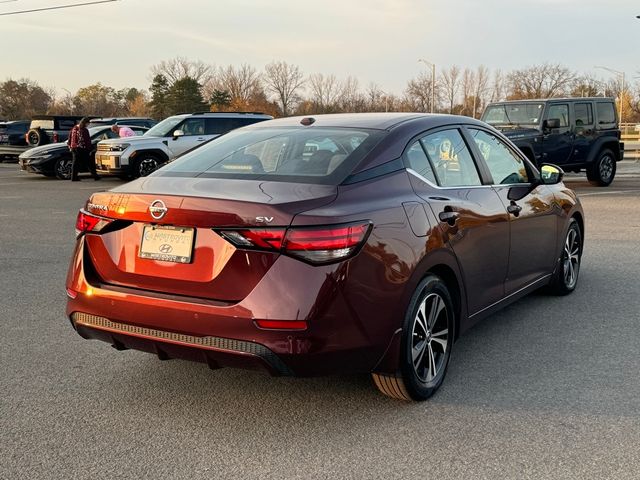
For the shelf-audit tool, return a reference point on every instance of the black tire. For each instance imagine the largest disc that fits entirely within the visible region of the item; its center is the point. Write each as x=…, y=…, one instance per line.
x=62, y=168
x=35, y=137
x=427, y=339
x=145, y=165
x=565, y=278
x=603, y=169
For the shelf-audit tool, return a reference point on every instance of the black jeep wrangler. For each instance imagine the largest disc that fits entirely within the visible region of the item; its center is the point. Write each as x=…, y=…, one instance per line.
x=574, y=133
x=50, y=129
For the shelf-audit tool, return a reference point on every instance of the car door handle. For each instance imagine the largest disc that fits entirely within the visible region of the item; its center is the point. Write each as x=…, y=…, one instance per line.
x=200, y=139
x=514, y=209
x=448, y=216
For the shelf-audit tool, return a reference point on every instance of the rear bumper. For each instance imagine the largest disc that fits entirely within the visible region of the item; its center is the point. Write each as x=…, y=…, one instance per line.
x=346, y=330
x=216, y=352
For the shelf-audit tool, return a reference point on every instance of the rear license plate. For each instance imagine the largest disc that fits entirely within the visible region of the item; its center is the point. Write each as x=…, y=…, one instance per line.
x=167, y=244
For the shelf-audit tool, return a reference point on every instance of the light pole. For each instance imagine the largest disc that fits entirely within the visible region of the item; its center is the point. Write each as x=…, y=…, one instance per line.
x=433, y=80
x=621, y=75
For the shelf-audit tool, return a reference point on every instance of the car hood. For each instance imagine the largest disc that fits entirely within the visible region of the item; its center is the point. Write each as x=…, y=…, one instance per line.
x=518, y=132
x=45, y=150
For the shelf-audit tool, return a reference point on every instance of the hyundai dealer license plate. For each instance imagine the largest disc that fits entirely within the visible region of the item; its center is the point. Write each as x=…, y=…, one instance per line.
x=167, y=244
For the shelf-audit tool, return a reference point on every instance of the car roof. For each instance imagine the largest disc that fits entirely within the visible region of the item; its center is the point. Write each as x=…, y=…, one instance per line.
x=109, y=119
x=53, y=117
x=559, y=99
x=377, y=121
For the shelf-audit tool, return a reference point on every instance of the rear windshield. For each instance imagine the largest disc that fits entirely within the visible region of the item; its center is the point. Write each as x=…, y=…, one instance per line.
x=292, y=154
x=46, y=124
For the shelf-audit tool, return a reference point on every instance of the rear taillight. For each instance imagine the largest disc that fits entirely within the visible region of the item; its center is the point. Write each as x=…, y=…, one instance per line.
x=55, y=138
x=87, y=222
x=317, y=245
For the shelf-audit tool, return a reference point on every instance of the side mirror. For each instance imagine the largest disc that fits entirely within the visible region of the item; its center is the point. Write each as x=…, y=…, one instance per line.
x=551, y=174
x=551, y=123
x=178, y=133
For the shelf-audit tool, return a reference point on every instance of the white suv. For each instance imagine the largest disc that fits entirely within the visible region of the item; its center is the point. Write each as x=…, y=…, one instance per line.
x=139, y=156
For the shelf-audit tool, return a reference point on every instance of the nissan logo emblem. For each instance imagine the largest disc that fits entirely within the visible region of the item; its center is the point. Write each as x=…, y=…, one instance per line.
x=165, y=248
x=158, y=209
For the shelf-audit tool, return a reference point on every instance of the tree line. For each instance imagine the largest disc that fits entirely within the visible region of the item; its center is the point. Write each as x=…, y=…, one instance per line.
x=282, y=89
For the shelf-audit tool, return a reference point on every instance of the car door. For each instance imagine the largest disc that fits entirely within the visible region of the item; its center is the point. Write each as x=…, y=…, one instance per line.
x=471, y=216
x=531, y=207
x=557, y=142
x=584, y=131
x=193, y=134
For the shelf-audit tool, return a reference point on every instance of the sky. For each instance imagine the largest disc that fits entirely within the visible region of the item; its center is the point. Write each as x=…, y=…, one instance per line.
x=374, y=40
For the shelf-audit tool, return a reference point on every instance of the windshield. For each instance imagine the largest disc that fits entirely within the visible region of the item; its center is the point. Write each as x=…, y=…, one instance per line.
x=296, y=154
x=165, y=127
x=516, y=114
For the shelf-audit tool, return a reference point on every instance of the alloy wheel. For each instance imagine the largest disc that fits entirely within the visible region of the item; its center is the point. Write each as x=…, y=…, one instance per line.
x=147, y=166
x=571, y=258
x=429, y=337
x=606, y=168
x=63, y=169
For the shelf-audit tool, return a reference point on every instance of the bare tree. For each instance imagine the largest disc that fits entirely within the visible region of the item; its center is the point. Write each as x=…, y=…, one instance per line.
x=481, y=86
x=241, y=82
x=540, y=81
x=468, y=87
x=497, y=90
x=351, y=98
x=180, y=67
x=450, y=84
x=418, y=93
x=325, y=92
x=285, y=82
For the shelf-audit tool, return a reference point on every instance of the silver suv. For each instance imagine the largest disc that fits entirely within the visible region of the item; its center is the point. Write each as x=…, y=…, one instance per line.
x=139, y=156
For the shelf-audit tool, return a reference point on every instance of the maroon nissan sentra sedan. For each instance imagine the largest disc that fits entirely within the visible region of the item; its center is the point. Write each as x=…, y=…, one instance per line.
x=317, y=245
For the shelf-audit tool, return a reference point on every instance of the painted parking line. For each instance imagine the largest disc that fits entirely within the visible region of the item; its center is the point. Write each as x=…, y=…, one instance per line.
x=608, y=193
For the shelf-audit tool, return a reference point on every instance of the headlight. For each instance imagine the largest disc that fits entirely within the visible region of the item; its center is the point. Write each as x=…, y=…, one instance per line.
x=119, y=148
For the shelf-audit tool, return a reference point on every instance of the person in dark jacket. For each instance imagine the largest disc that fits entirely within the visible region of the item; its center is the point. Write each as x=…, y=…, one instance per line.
x=80, y=146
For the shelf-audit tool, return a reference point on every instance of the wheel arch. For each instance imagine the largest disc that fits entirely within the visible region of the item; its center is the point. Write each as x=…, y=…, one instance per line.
x=155, y=152
x=442, y=263
x=610, y=143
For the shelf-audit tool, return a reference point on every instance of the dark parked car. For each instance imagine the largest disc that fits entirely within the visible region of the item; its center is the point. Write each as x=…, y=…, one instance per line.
x=54, y=160
x=50, y=129
x=12, y=138
x=13, y=133
x=129, y=121
x=574, y=133
x=339, y=243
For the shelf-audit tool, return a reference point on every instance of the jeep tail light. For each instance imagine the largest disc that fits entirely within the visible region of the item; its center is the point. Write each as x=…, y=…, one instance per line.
x=316, y=245
x=55, y=138
x=87, y=222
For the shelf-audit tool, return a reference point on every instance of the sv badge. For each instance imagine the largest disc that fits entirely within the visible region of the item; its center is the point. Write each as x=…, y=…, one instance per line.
x=264, y=219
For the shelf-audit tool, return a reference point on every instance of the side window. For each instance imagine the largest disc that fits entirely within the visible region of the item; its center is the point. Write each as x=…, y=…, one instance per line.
x=218, y=126
x=584, y=114
x=450, y=157
x=561, y=112
x=193, y=126
x=606, y=114
x=417, y=160
x=505, y=166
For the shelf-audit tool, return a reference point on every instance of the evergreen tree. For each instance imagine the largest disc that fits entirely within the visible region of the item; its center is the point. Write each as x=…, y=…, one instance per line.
x=184, y=97
x=220, y=99
x=159, y=96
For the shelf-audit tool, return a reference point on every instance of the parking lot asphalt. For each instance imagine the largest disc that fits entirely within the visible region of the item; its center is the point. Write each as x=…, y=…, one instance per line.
x=548, y=388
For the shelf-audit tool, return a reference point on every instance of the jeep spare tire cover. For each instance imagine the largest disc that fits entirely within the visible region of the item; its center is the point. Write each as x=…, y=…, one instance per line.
x=35, y=137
